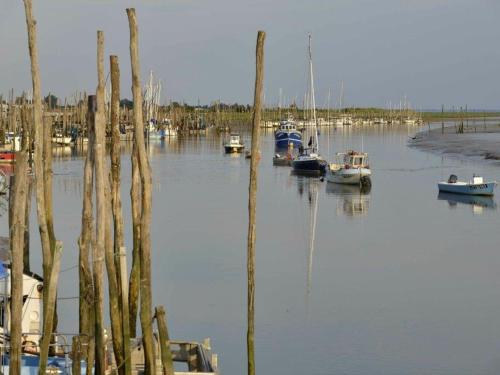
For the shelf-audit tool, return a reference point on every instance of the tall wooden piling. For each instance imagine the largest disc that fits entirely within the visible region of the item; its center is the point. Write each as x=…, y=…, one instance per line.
x=86, y=299
x=120, y=260
x=144, y=169
x=17, y=230
x=252, y=200
x=51, y=302
x=100, y=184
x=166, y=355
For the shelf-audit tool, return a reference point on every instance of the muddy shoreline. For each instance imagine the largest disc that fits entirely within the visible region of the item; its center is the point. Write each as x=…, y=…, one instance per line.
x=476, y=142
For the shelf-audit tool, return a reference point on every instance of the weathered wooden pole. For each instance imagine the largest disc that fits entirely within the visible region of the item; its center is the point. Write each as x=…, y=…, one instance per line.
x=252, y=200
x=144, y=168
x=51, y=302
x=120, y=256
x=135, y=197
x=17, y=253
x=166, y=355
x=76, y=350
x=39, y=146
x=86, y=300
x=100, y=185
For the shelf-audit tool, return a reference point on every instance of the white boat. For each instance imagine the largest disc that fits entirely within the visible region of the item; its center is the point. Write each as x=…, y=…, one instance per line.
x=59, y=139
x=477, y=186
x=233, y=144
x=350, y=168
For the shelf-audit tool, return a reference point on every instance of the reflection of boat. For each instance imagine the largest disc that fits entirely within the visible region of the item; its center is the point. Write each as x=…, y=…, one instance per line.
x=477, y=186
x=233, y=144
x=313, y=213
x=350, y=168
x=475, y=200
x=353, y=200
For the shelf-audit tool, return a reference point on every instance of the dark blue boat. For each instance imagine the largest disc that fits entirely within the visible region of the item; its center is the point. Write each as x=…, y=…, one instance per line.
x=310, y=163
x=287, y=135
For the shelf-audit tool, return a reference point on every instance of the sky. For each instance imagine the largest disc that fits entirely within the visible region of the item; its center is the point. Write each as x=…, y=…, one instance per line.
x=431, y=52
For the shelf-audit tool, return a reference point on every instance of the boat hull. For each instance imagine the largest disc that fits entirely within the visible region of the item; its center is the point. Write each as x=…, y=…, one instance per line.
x=284, y=139
x=232, y=149
x=314, y=166
x=7, y=157
x=62, y=140
x=351, y=176
x=467, y=189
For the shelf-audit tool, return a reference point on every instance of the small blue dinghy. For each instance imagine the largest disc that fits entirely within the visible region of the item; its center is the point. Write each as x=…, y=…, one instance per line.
x=477, y=186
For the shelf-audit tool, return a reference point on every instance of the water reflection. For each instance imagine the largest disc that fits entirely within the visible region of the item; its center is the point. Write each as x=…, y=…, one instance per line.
x=478, y=203
x=352, y=200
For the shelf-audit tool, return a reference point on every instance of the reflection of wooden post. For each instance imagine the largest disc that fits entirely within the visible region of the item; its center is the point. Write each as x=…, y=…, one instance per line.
x=98, y=250
x=51, y=302
x=252, y=200
x=166, y=355
x=144, y=169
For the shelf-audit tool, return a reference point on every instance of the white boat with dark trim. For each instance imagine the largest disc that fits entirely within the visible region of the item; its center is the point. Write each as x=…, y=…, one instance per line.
x=477, y=186
x=350, y=168
x=233, y=144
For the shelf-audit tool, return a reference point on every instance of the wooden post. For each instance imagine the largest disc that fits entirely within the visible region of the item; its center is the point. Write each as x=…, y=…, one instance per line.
x=77, y=351
x=166, y=355
x=135, y=194
x=144, y=168
x=252, y=200
x=26, y=256
x=86, y=300
x=39, y=145
x=51, y=301
x=98, y=250
x=119, y=250
x=17, y=253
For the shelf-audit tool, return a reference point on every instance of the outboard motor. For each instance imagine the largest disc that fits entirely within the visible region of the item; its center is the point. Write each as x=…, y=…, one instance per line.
x=452, y=179
x=365, y=182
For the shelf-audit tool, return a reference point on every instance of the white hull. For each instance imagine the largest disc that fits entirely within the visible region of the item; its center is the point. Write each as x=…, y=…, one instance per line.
x=349, y=176
x=62, y=140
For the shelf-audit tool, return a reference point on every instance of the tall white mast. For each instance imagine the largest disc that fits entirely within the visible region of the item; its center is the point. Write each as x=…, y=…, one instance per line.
x=313, y=102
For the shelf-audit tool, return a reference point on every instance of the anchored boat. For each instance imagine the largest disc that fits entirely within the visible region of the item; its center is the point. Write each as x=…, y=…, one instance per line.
x=350, y=168
x=477, y=186
x=233, y=144
x=309, y=161
x=287, y=134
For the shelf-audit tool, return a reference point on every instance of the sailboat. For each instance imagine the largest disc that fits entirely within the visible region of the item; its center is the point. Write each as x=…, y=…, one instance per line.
x=309, y=161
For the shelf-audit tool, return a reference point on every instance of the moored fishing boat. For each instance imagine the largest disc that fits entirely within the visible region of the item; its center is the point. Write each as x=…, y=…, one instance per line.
x=7, y=156
x=350, y=168
x=476, y=186
x=287, y=134
x=233, y=144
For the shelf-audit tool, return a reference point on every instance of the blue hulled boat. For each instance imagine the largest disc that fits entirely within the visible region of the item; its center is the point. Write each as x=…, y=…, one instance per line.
x=287, y=135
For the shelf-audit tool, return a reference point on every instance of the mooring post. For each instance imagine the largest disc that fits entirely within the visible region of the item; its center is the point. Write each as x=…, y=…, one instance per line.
x=252, y=200
x=166, y=355
x=76, y=350
x=145, y=172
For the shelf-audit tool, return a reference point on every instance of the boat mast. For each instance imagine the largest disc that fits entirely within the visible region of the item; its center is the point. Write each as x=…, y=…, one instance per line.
x=313, y=102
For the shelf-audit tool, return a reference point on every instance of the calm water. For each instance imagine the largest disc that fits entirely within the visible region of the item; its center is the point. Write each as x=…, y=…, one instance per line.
x=397, y=282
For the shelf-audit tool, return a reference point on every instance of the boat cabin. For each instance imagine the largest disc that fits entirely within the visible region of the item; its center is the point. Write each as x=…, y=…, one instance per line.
x=352, y=159
x=234, y=139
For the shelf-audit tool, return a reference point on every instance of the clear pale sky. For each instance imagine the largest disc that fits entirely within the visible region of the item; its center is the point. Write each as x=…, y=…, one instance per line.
x=431, y=51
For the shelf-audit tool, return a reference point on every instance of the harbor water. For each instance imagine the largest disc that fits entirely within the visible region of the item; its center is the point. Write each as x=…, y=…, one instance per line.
x=397, y=281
